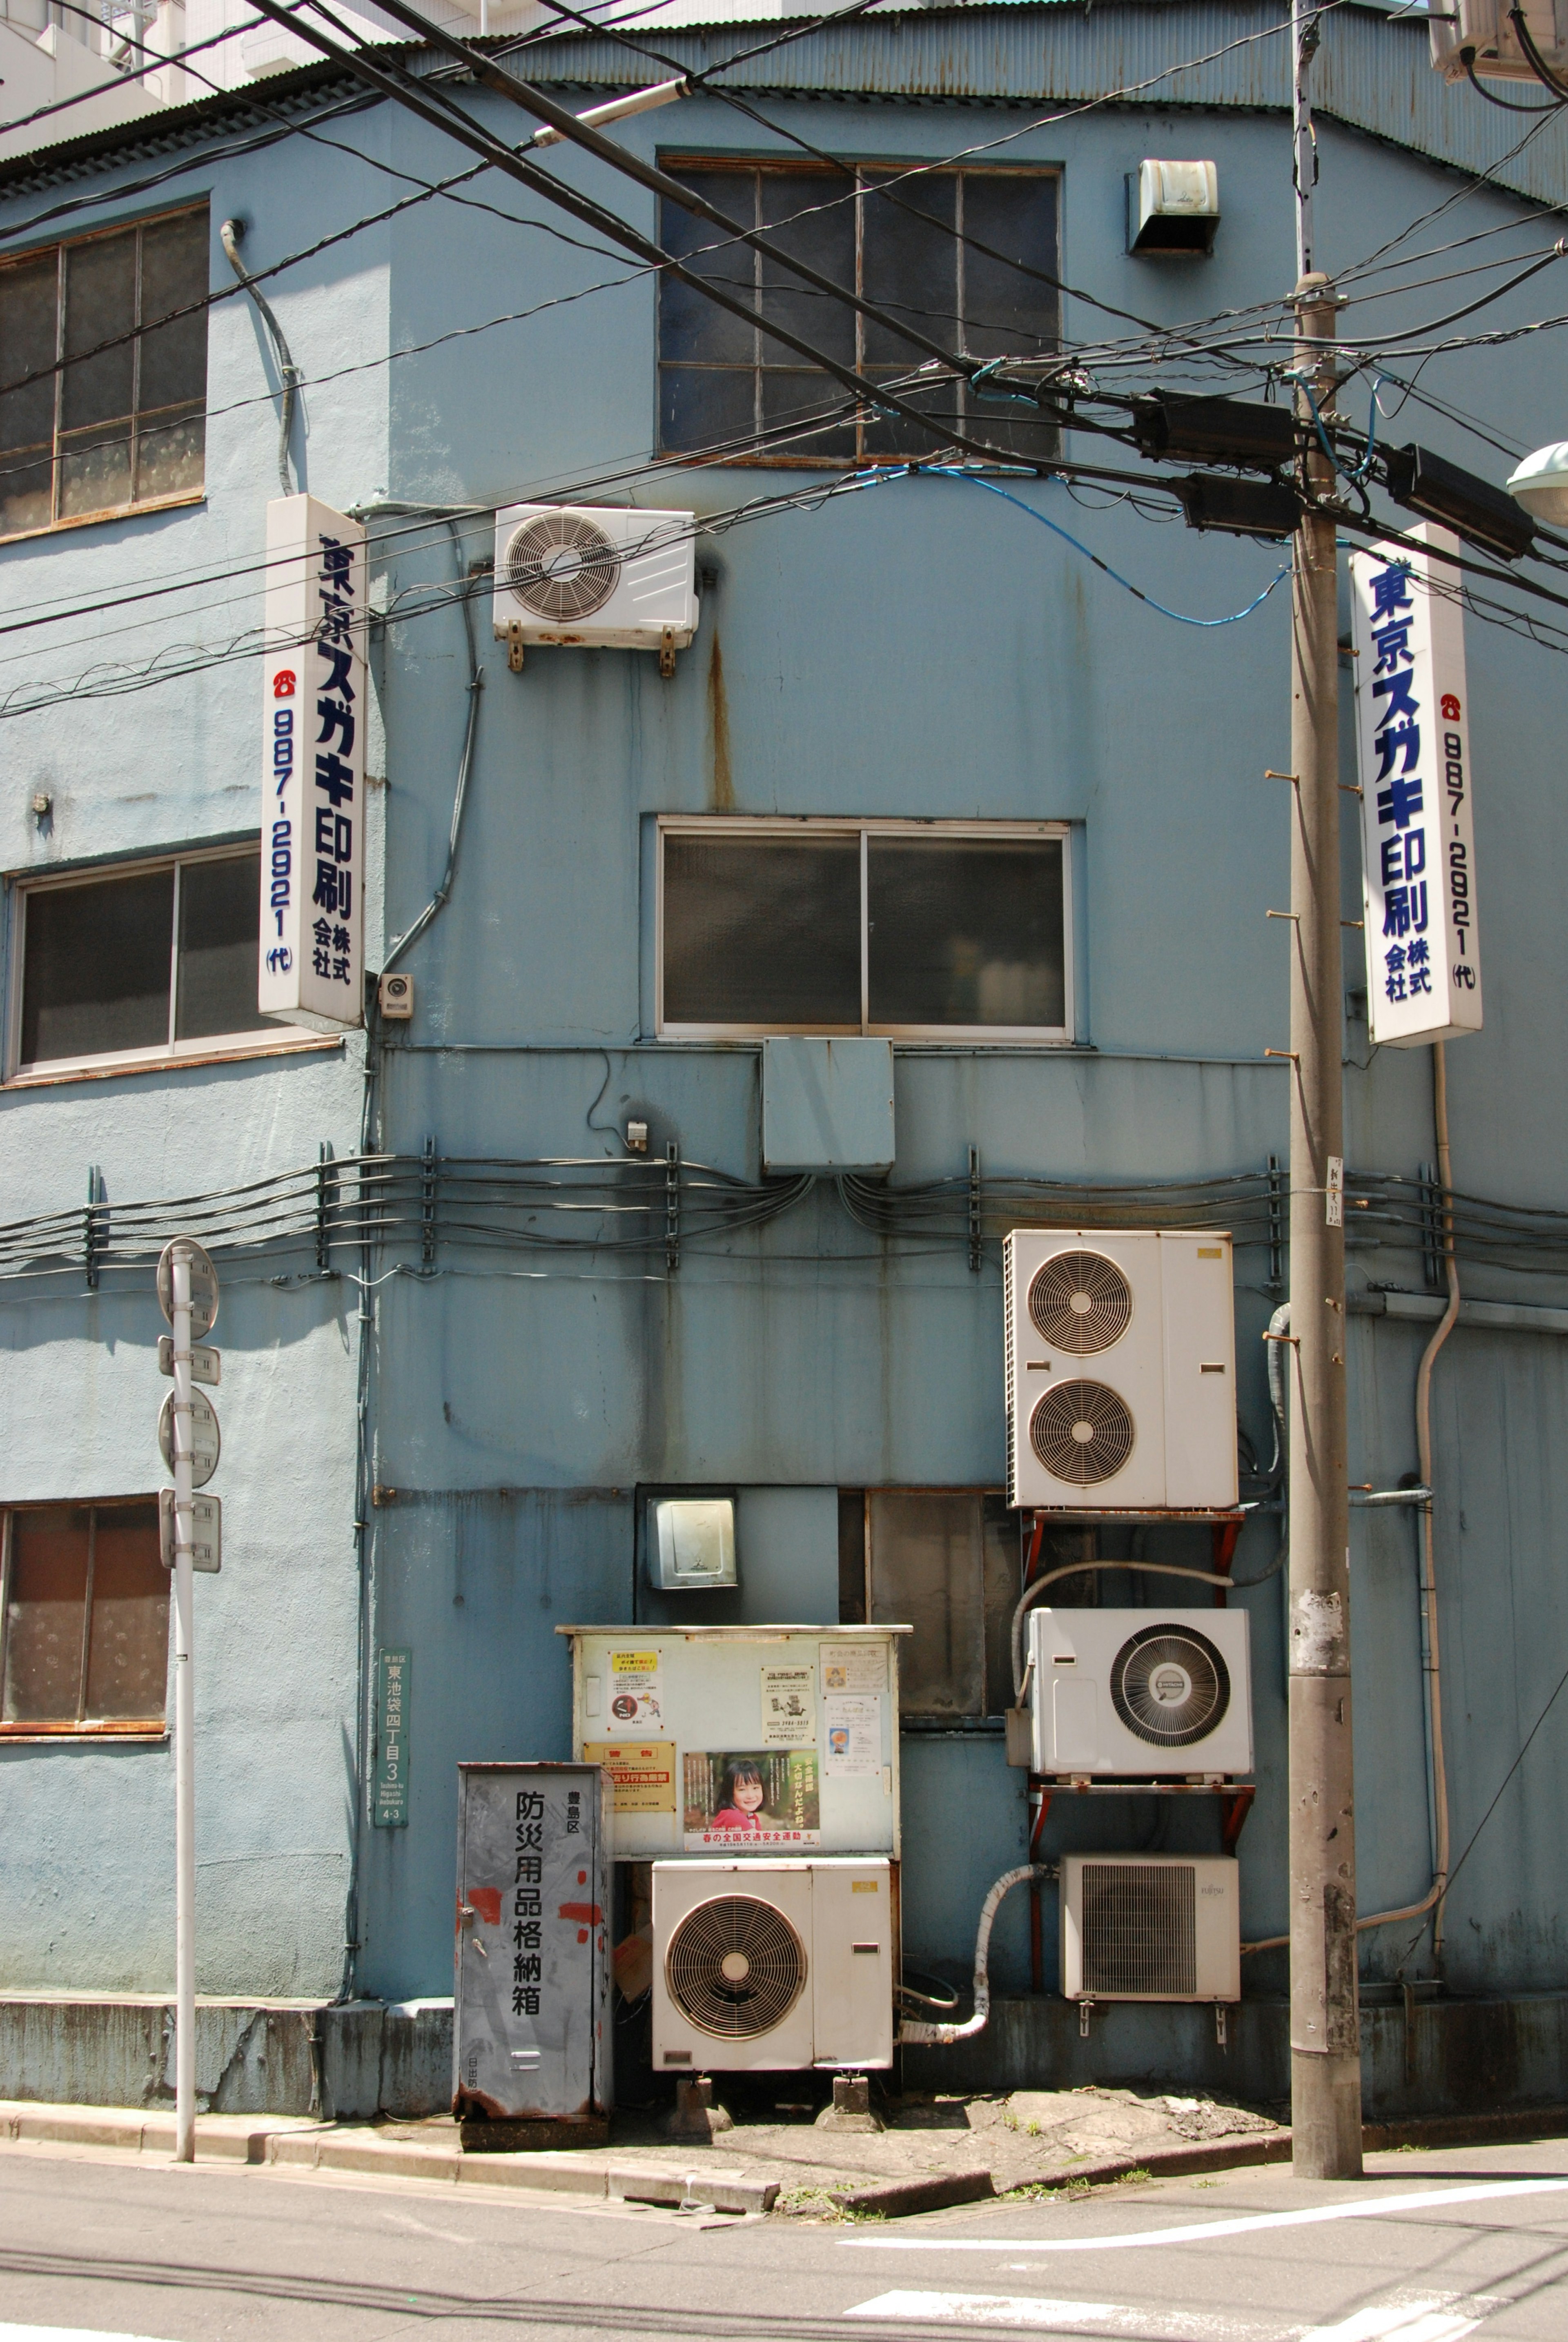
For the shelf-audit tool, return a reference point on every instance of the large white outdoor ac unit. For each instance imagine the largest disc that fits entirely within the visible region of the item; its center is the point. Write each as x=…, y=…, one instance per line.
x=601, y=579
x=1486, y=30
x=1140, y=1694
x=1121, y=1370
x=1150, y=1927
x=772, y=1967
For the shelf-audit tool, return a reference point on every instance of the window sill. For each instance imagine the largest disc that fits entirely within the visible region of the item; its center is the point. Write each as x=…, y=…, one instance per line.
x=291, y=1043
x=113, y=511
x=51, y=1736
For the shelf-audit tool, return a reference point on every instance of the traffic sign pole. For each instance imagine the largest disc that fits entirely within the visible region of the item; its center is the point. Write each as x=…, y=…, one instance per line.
x=185, y=1727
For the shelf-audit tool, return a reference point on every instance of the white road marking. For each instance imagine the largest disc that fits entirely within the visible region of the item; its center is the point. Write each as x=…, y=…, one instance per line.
x=64, y=2334
x=1400, y=2321
x=1054, y=2317
x=1375, y=2207
x=421, y=2227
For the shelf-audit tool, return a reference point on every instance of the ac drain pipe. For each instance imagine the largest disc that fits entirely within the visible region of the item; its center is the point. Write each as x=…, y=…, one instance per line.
x=918, y=2029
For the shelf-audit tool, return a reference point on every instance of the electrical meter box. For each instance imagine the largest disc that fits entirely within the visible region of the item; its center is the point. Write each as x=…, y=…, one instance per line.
x=531, y=2031
x=739, y=1741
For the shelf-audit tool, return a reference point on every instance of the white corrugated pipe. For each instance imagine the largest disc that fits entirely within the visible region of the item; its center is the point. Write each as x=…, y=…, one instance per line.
x=916, y=2028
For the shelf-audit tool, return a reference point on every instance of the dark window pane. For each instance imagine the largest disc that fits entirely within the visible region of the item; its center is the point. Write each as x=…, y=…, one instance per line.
x=966, y=931
x=26, y=491
x=690, y=325
x=95, y=470
x=219, y=916
x=95, y=969
x=909, y=264
x=891, y=435
x=127, y=1650
x=792, y=398
x=706, y=407
x=171, y=456
x=44, y=1615
x=811, y=215
x=762, y=931
x=100, y=304
x=1010, y=262
x=27, y=317
x=174, y=274
x=852, y=1558
x=1003, y=1565
x=925, y=1573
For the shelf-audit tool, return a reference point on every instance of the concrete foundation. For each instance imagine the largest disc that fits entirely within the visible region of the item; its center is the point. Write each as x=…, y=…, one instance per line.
x=1427, y=2058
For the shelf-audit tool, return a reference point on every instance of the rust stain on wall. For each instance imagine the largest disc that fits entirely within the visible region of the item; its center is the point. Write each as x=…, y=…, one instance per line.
x=722, y=796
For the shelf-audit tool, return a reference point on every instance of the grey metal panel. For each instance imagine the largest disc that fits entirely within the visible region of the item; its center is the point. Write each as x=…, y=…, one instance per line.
x=531, y=2038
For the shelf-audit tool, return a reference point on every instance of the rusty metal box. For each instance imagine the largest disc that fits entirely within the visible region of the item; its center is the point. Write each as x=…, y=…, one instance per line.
x=531, y=2030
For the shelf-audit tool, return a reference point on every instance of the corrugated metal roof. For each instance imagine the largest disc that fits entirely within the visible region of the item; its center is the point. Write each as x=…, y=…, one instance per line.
x=1373, y=74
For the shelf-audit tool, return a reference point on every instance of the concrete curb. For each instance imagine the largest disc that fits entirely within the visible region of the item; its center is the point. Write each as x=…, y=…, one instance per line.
x=899, y=2197
x=136, y=2133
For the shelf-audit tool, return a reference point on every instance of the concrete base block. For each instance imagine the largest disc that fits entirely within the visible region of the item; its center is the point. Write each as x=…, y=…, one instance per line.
x=695, y=2117
x=851, y=2107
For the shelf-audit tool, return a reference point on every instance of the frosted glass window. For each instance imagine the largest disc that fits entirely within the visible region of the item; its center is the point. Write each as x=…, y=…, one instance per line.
x=966, y=931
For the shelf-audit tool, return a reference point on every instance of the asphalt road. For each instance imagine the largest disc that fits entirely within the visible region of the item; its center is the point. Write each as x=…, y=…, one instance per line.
x=1428, y=2248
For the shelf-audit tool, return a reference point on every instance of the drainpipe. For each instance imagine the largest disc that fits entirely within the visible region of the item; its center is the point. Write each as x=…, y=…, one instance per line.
x=232, y=232
x=916, y=2029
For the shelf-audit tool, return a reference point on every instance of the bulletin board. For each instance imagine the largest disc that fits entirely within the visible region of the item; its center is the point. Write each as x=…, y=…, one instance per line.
x=733, y=1741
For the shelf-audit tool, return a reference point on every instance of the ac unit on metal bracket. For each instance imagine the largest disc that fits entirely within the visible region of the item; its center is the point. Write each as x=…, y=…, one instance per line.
x=596, y=578
x=1139, y=1694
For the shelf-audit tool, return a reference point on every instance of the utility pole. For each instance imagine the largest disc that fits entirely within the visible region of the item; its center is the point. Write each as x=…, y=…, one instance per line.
x=1326, y=2025
x=185, y=1727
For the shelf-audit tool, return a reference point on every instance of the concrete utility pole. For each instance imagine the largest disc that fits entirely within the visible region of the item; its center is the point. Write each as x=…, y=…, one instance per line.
x=1326, y=2030
x=185, y=1727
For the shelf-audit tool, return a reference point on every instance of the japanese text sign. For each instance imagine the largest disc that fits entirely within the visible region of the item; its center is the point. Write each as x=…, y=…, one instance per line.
x=313, y=718
x=1413, y=740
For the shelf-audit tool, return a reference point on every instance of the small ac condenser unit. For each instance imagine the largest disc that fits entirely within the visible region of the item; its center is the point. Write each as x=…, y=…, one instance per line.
x=1485, y=28
x=596, y=578
x=1121, y=1363
x=772, y=1966
x=1140, y=1694
x=1150, y=1926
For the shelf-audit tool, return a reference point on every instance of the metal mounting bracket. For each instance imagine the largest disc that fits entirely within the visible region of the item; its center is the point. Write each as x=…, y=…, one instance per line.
x=667, y=653
x=514, y=646
x=1086, y=2008
x=1221, y=2017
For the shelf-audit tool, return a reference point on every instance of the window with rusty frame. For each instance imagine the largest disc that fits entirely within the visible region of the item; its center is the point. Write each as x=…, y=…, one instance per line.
x=969, y=257
x=104, y=374
x=947, y=1562
x=84, y=1618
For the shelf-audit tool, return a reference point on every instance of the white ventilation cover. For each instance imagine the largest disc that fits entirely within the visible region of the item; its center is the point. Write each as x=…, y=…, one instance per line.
x=1083, y=1433
x=1170, y=1686
x=735, y=1966
x=1081, y=1302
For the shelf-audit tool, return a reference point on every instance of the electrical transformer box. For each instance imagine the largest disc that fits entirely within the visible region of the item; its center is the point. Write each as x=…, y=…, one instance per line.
x=531, y=2032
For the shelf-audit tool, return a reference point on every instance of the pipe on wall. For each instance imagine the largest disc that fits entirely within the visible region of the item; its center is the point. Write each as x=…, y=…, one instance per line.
x=917, y=2029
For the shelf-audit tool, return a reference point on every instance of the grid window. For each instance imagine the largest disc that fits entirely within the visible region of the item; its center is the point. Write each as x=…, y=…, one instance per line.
x=967, y=257
x=893, y=928
x=150, y=962
x=87, y=430
x=84, y=1618
x=946, y=1562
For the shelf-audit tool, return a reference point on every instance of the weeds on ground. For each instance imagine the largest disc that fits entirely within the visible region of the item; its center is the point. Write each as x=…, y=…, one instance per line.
x=810, y=2204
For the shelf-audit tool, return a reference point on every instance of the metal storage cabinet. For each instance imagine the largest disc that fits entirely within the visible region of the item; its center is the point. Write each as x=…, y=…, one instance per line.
x=531, y=2032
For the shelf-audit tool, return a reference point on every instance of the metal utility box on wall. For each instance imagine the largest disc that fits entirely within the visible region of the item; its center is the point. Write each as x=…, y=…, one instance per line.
x=1150, y=1927
x=531, y=2036
x=772, y=1967
x=827, y=1105
x=742, y=1741
x=1121, y=1358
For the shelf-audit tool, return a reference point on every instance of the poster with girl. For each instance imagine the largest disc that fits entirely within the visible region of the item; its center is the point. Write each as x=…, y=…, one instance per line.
x=746, y=1800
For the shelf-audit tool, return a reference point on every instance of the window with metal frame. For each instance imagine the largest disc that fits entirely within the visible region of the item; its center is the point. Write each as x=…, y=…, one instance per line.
x=947, y=1562
x=924, y=929
x=84, y=1618
x=152, y=961
x=968, y=258
x=104, y=374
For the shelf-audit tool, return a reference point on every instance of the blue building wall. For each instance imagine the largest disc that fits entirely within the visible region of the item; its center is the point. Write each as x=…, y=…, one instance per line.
x=919, y=649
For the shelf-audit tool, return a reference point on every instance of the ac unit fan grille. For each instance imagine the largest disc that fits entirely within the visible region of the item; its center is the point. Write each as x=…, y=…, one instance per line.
x=1170, y=1686
x=736, y=1967
x=1140, y=1929
x=1081, y=1302
x=1081, y=1432
x=562, y=568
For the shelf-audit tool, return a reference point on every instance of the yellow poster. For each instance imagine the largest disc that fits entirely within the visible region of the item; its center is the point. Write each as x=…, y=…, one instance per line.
x=644, y=1773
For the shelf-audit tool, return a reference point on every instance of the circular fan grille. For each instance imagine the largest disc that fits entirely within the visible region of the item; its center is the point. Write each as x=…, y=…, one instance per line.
x=560, y=567
x=735, y=1966
x=1081, y=1302
x=1081, y=1432
x=1170, y=1686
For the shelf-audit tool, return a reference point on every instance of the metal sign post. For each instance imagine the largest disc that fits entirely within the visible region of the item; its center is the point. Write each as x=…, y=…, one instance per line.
x=188, y=1292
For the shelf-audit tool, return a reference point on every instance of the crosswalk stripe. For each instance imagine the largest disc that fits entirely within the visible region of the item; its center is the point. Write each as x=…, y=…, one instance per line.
x=1093, y=2318
x=64, y=2334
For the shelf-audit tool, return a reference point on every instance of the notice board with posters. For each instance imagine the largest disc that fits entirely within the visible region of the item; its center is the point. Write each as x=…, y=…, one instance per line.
x=741, y=1740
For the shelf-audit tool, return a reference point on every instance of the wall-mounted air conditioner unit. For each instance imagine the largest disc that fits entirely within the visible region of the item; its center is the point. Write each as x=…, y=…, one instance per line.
x=1120, y=1371
x=1485, y=29
x=772, y=1967
x=1140, y=1694
x=1150, y=1927
x=595, y=579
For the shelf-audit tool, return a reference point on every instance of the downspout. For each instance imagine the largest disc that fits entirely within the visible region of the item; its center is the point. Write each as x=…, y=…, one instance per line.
x=231, y=233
